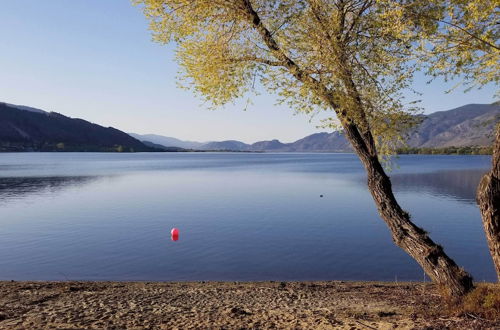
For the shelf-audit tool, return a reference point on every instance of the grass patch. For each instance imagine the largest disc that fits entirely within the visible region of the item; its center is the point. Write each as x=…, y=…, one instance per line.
x=482, y=302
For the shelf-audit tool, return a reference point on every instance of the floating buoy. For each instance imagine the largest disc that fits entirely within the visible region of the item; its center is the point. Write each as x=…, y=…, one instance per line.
x=174, y=234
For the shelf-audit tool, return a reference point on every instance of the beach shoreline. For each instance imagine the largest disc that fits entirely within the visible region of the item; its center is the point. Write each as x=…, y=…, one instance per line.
x=228, y=305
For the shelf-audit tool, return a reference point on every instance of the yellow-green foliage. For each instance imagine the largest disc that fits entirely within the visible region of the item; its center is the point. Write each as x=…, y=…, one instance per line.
x=458, y=38
x=352, y=57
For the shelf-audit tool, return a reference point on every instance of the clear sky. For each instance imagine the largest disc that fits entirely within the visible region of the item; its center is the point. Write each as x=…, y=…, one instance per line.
x=94, y=59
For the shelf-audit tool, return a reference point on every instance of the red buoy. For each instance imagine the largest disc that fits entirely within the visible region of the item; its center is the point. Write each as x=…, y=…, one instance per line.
x=175, y=234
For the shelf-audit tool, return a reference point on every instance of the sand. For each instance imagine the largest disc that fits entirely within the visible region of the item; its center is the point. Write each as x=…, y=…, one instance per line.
x=226, y=305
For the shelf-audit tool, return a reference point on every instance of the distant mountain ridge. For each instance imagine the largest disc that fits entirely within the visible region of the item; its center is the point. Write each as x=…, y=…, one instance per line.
x=29, y=129
x=468, y=125
x=23, y=107
x=167, y=141
x=24, y=128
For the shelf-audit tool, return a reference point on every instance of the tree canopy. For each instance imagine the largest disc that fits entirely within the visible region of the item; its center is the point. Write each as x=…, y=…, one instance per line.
x=458, y=39
x=352, y=57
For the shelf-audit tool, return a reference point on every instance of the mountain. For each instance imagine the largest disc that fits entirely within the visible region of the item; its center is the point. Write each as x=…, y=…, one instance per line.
x=23, y=107
x=321, y=142
x=29, y=129
x=229, y=145
x=469, y=125
x=167, y=141
x=24, y=128
x=162, y=147
x=273, y=145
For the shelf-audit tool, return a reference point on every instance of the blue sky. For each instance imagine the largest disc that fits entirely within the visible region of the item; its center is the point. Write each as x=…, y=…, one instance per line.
x=95, y=60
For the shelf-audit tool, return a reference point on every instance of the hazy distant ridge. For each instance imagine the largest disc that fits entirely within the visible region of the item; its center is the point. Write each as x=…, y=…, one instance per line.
x=469, y=125
x=167, y=141
x=25, y=128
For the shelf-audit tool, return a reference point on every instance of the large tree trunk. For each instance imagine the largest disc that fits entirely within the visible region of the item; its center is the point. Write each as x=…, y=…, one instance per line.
x=412, y=239
x=488, y=199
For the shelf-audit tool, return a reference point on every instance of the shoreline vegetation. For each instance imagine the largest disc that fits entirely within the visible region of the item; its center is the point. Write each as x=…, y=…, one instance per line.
x=166, y=305
x=467, y=150
x=61, y=147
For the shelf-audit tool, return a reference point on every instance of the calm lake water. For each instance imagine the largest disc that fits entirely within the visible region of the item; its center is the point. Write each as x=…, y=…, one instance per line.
x=242, y=217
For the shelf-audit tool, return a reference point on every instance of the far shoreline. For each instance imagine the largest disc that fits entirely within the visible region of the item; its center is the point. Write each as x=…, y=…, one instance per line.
x=489, y=153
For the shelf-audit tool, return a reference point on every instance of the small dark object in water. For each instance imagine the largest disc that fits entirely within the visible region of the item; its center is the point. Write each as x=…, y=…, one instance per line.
x=320, y=195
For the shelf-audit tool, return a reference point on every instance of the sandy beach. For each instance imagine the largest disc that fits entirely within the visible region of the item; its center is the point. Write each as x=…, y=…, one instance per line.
x=227, y=305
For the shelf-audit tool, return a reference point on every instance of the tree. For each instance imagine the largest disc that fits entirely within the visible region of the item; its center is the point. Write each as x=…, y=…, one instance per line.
x=349, y=57
x=460, y=40
x=488, y=199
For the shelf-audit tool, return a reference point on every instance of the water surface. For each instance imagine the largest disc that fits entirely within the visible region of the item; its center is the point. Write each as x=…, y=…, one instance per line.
x=242, y=217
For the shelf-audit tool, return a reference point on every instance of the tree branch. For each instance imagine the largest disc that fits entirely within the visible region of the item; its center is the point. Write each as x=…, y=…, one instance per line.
x=258, y=60
x=292, y=67
x=470, y=34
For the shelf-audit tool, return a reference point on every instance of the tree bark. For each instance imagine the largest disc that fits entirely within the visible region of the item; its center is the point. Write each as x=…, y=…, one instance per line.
x=488, y=199
x=412, y=239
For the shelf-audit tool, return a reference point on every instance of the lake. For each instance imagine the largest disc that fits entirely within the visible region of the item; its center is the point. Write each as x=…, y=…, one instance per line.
x=241, y=216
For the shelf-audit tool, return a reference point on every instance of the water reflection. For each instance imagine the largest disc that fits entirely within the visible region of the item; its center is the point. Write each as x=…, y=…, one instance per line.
x=460, y=185
x=19, y=187
x=242, y=216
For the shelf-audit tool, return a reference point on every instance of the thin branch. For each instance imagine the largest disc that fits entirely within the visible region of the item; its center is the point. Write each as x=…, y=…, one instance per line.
x=258, y=60
x=470, y=34
x=273, y=46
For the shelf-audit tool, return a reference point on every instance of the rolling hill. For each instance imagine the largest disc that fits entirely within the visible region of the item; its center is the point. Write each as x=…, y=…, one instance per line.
x=167, y=141
x=469, y=125
x=25, y=128
x=29, y=129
